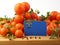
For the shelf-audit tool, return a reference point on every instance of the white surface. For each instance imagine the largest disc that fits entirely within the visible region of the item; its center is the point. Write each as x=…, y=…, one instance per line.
x=7, y=6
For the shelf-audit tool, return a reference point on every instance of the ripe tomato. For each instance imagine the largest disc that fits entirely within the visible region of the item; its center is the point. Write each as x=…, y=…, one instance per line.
x=19, y=19
x=38, y=18
x=47, y=21
x=19, y=33
x=33, y=15
x=27, y=6
x=54, y=21
x=27, y=16
x=3, y=31
x=13, y=30
x=13, y=23
x=19, y=26
x=49, y=32
x=52, y=26
x=6, y=25
x=58, y=17
x=19, y=8
x=53, y=15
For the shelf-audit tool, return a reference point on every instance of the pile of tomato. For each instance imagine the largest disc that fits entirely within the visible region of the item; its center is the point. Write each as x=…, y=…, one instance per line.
x=15, y=26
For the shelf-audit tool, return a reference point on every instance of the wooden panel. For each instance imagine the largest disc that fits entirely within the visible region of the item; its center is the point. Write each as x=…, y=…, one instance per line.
x=30, y=41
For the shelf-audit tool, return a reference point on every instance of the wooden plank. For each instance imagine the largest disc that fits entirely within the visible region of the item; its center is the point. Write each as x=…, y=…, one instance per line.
x=33, y=41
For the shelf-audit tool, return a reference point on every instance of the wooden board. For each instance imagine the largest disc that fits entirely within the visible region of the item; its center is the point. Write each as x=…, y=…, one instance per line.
x=42, y=40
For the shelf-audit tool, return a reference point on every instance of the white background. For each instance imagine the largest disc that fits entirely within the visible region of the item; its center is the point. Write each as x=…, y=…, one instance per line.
x=7, y=6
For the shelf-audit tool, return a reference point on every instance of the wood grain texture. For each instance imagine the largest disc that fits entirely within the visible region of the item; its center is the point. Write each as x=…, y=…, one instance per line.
x=30, y=41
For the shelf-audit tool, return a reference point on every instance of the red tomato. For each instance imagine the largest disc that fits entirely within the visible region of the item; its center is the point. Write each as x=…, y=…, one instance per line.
x=38, y=18
x=49, y=32
x=27, y=16
x=19, y=33
x=27, y=6
x=19, y=19
x=19, y=8
x=13, y=23
x=33, y=15
x=54, y=21
x=3, y=31
x=58, y=17
x=52, y=26
x=47, y=21
x=6, y=25
x=19, y=26
x=53, y=15
x=13, y=30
